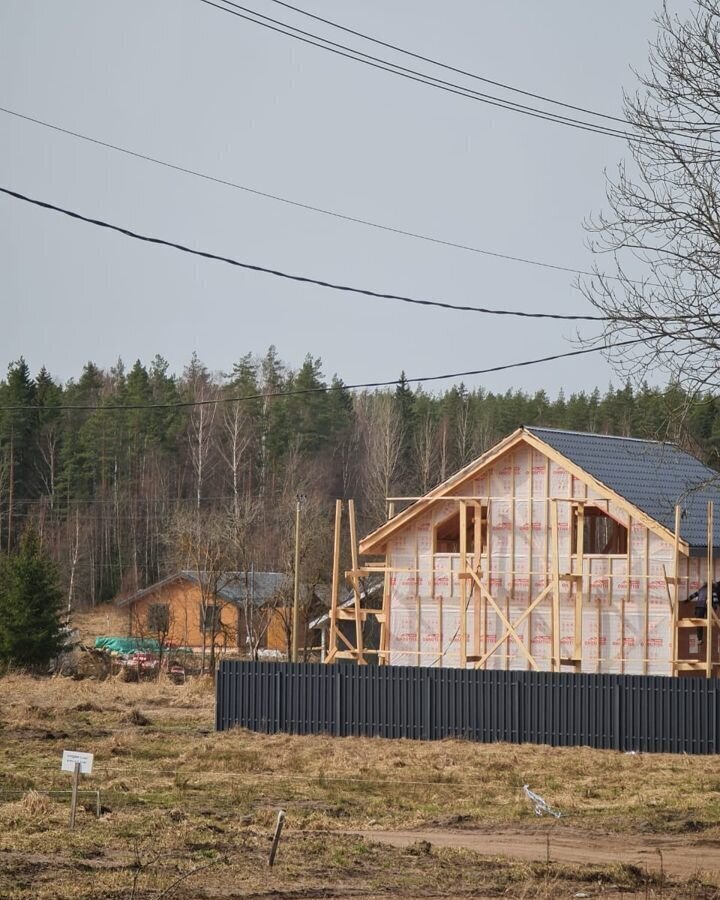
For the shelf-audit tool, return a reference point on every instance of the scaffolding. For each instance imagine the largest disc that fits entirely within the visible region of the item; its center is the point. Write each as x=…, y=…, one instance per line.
x=571, y=606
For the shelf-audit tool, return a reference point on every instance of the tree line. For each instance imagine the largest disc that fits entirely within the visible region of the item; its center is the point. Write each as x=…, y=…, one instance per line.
x=124, y=493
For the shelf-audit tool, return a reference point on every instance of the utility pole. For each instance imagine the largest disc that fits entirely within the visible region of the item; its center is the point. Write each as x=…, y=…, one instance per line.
x=296, y=588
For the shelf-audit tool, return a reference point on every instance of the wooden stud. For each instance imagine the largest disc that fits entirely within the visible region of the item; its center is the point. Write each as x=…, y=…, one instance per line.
x=385, y=624
x=489, y=567
x=676, y=595
x=579, y=585
x=440, y=632
x=555, y=618
x=710, y=575
x=463, y=584
x=355, y=582
x=625, y=599
x=512, y=551
x=646, y=601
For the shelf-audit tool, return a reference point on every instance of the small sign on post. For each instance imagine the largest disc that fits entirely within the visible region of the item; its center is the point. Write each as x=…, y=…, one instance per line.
x=78, y=763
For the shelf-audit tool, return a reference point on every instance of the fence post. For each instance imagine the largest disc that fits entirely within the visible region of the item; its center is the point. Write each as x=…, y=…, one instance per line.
x=338, y=702
x=617, y=719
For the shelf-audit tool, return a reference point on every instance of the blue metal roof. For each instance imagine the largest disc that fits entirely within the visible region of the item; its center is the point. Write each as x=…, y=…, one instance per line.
x=652, y=475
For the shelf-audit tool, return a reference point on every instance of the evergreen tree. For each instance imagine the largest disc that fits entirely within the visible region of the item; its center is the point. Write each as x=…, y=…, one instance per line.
x=30, y=603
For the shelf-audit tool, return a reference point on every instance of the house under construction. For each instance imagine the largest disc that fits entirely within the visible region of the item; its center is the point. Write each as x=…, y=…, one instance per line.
x=554, y=551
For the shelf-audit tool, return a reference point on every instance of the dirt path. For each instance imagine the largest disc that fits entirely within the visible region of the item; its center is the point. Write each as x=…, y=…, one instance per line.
x=681, y=856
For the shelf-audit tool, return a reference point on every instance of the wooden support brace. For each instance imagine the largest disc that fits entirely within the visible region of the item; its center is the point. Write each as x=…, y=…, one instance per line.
x=506, y=622
x=540, y=597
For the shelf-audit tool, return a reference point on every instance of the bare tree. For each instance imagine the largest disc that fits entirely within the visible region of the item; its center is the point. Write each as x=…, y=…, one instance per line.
x=383, y=440
x=199, y=542
x=426, y=451
x=238, y=436
x=662, y=230
x=201, y=422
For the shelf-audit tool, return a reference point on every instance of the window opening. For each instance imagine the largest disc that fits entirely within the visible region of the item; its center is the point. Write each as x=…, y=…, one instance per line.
x=158, y=617
x=447, y=532
x=602, y=535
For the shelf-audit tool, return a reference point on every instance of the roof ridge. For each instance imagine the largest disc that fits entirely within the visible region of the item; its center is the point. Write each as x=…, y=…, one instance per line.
x=594, y=434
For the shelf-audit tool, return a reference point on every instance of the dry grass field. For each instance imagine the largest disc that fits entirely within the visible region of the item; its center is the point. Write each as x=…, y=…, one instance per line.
x=187, y=813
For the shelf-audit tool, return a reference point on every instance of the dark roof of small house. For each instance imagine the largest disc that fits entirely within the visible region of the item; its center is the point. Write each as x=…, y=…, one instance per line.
x=372, y=590
x=652, y=475
x=236, y=587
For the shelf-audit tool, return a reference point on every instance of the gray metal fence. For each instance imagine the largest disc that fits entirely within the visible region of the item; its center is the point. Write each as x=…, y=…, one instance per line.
x=621, y=712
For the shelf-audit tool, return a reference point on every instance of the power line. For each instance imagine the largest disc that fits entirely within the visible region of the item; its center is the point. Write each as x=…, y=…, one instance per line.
x=322, y=390
x=347, y=217
x=411, y=74
x=449, y=68
x=422, y=77
x=300, y=278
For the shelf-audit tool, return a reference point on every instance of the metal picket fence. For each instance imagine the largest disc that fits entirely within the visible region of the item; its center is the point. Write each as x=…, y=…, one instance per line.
x=620, y=712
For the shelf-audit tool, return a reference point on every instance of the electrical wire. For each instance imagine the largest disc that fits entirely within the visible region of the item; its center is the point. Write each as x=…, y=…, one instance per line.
x=375, y=62
x=323, y=390
x=343, y=50
x=347, y=217
x=464, y=72
x=301, y=278
x=449, y=68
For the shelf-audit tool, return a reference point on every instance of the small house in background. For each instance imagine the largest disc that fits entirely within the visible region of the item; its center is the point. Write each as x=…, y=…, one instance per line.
x=554, y=551
x=238, y=612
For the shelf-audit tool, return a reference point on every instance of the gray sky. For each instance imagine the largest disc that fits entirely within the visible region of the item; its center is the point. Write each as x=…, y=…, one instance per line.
x=184, y=82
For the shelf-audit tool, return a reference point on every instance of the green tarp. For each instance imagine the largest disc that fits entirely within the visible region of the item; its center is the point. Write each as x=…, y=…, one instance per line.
x=127, y=645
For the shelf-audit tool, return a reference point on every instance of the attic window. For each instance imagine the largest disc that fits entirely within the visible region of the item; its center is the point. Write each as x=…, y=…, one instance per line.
x=602, y=535
x=447, y=532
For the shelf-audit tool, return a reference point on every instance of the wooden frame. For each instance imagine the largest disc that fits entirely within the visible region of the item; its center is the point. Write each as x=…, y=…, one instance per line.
x=567, y=579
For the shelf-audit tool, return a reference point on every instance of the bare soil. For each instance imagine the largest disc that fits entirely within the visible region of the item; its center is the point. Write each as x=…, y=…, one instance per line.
x=674, y=856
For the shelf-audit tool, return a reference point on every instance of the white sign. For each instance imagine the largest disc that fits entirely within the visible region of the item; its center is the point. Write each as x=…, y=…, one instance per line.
x=71, y=757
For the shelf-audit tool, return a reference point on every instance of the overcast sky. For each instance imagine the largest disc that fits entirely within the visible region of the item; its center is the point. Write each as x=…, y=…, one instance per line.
x=182, y=81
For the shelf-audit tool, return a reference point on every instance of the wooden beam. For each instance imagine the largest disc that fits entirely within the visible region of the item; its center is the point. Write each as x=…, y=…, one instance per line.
x=508, y=625
x=676, y=594
x=355, y=582
x=335, y=591
x=555, y=568
x=579, y=586
x=463, y=584
x=506, y=636
x=710, y=576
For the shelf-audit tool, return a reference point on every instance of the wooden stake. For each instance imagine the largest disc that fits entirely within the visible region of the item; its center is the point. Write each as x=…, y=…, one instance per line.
x=332, y=649
x=73, y=798
x=276, y=836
